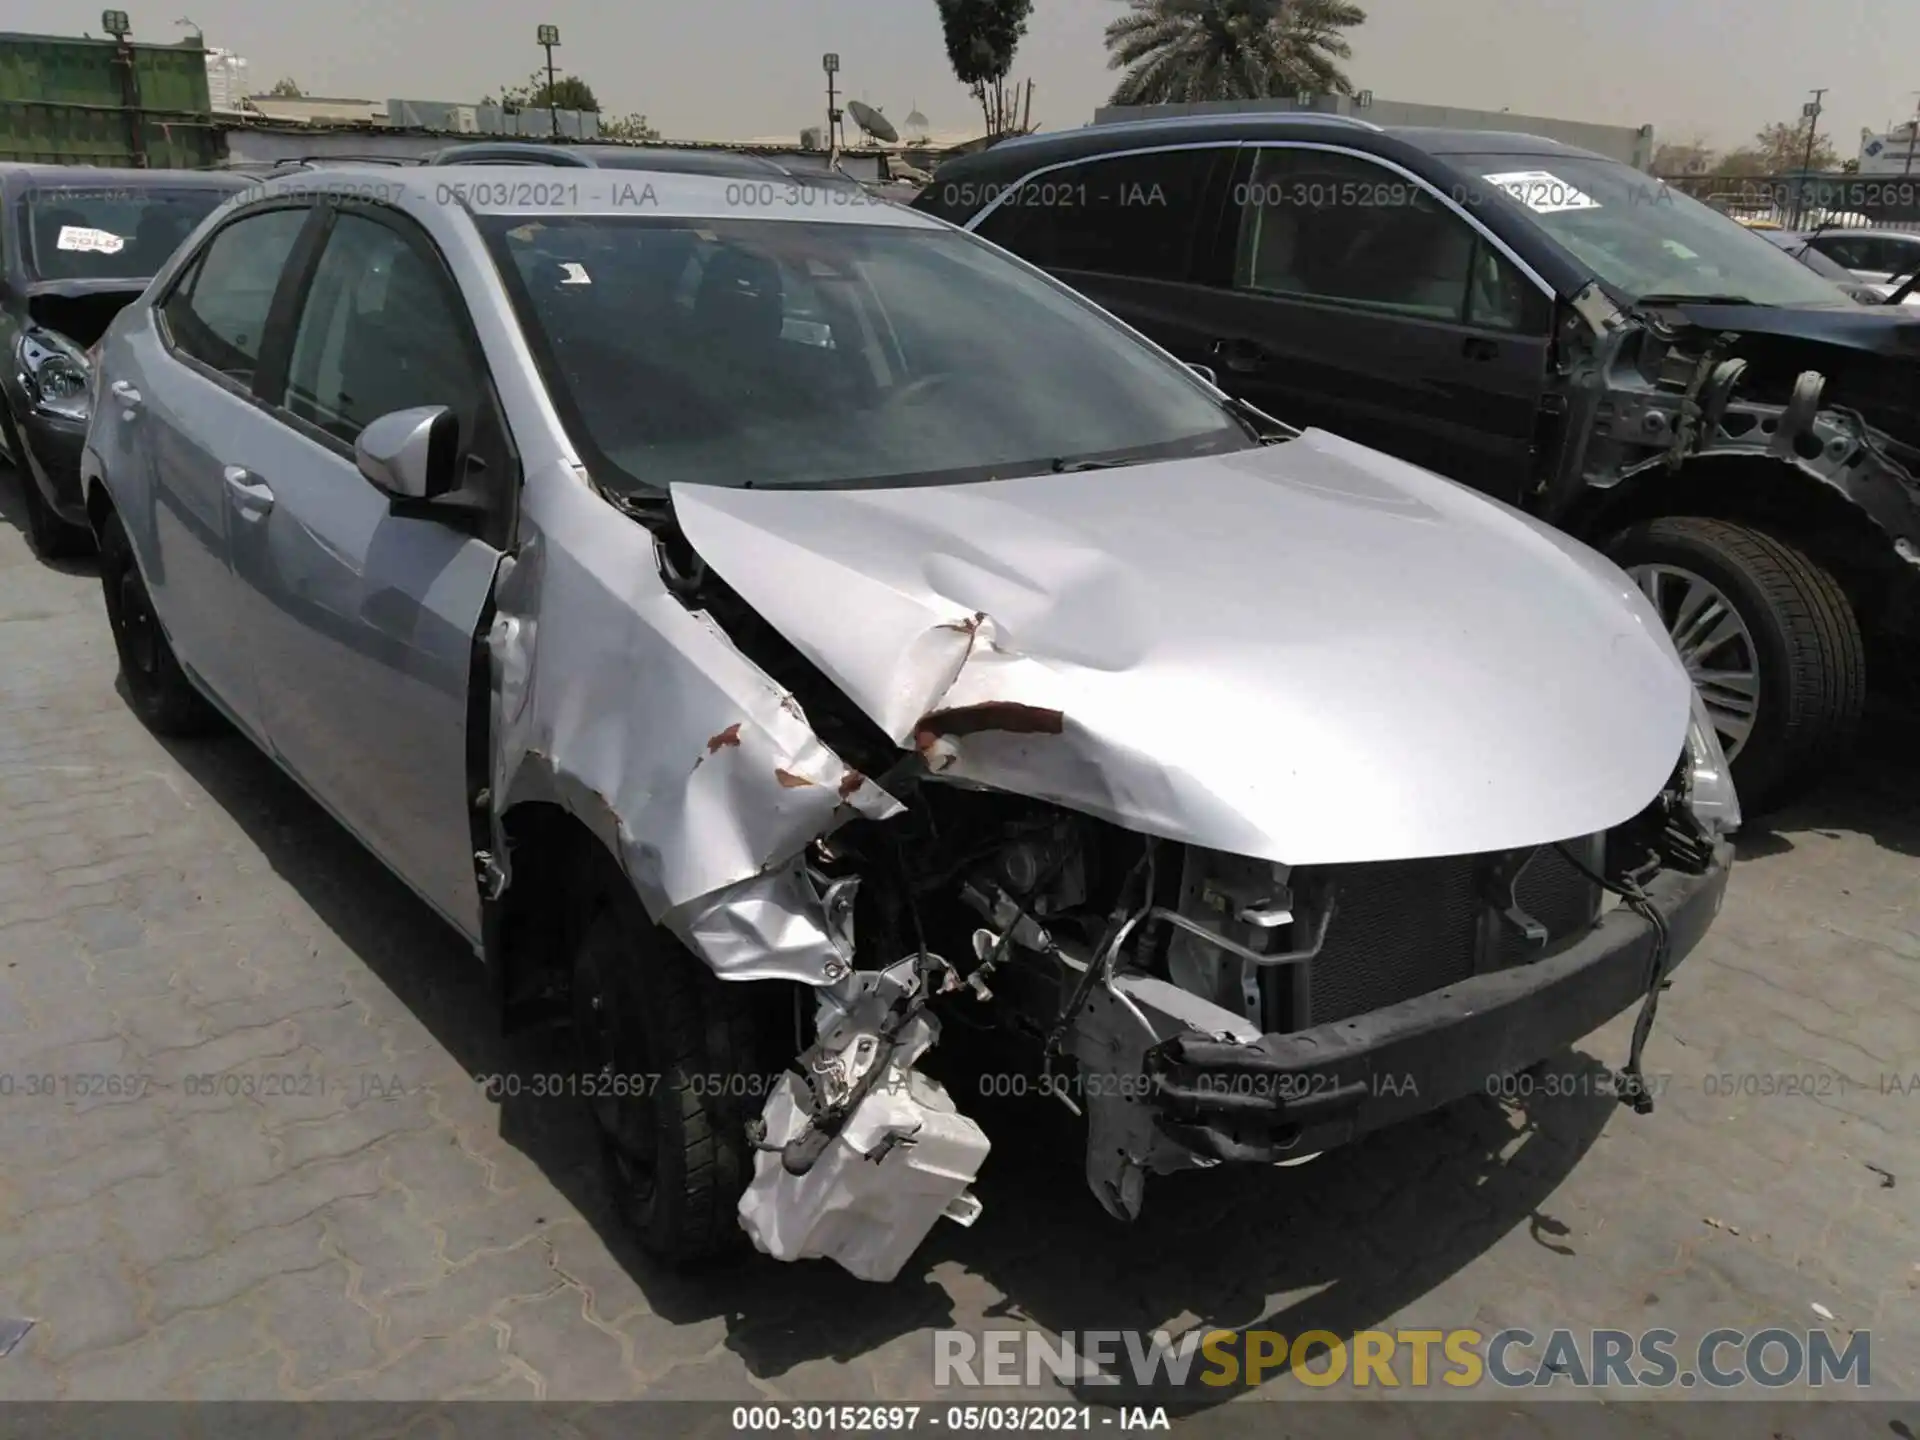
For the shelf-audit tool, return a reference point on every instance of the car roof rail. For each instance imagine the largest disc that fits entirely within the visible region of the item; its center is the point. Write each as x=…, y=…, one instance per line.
x=1173, y=122
x=311, y=162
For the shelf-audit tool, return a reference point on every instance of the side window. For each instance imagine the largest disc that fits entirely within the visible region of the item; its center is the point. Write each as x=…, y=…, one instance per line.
x=1876, y=254
x=1324, y=226
x=1135, y=215
x=1901, y=257
x=381, y=331
x=1499, y=297
x=218, y=313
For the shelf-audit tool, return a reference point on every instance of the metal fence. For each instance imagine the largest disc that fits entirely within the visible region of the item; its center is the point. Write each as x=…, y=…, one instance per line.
x=1797, y=202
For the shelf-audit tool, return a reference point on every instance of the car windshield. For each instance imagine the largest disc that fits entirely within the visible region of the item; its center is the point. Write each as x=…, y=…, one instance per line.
x=109, y=233
x=772, y=353
x=1644, y=238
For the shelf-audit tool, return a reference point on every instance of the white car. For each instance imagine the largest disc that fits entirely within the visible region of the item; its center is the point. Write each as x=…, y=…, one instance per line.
x=1880, y=257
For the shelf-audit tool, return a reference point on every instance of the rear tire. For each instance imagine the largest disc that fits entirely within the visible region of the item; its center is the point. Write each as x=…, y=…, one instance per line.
x=676, y=1152
x=48, y=536
x=1805, y=641
x=158, y=688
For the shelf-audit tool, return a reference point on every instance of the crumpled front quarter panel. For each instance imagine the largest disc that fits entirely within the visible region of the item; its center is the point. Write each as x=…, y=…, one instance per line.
x=641, y=718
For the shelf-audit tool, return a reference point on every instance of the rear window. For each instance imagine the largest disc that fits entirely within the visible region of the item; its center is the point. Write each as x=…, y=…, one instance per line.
x=111, y=233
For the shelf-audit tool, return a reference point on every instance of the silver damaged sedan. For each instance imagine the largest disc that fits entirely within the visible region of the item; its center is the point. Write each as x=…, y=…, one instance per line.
x=767, y=623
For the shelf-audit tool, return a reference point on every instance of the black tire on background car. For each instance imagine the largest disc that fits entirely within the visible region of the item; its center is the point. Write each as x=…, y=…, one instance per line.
x=157, y=687
x=666, y=1055
x=1791, y=623
x=50, y=537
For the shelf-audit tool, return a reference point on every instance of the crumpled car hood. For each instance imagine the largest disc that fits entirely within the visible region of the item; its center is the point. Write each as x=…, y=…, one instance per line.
x=1310, y=653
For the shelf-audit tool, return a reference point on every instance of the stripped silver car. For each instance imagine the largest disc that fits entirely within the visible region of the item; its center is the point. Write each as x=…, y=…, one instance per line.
x=765, y=622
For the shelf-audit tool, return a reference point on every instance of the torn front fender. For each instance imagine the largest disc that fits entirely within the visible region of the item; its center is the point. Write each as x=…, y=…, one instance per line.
x=642, y=719
x=1656, y=389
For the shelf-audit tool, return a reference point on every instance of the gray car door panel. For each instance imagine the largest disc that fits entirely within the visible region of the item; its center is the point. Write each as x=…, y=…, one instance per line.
x=196, y=367
x=360, y=622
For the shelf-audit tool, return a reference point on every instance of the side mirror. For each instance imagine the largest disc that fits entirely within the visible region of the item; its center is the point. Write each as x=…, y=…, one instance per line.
x=1205, y=372
x=411, y=454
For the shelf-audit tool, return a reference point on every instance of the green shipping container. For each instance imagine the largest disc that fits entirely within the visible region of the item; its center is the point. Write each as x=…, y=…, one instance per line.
x=66, y=101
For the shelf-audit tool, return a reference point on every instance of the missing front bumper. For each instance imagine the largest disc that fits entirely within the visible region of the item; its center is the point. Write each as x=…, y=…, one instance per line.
x=1285, y=1095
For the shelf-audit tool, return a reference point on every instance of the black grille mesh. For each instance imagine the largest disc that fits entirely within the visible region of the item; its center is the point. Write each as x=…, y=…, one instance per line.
x=1406, y=928
x=1400, y=929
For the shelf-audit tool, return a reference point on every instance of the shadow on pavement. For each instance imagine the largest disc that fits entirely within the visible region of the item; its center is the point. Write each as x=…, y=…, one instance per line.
x=1875, y=792
x=1357, y=1234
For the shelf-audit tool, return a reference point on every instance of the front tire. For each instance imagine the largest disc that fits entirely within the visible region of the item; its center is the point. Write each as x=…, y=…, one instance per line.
x=158, y=688
x=666, y=1052
x=1771, y=642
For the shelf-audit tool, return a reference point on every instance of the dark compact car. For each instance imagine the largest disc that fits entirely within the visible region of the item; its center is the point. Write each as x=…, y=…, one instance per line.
x=1552, y=327
x=79, y=242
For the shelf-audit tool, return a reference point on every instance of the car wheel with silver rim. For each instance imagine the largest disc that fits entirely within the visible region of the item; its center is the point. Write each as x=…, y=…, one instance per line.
x=1769, y=639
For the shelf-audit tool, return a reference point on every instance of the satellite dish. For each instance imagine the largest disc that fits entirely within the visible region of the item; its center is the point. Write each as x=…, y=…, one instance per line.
x=872, y=122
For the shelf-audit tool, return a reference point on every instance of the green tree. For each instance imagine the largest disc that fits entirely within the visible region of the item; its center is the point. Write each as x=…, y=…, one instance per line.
x=627, y=127
x=1690, y=157
x=569, y=92
x=285, y=89
x=1177, y=51
x=1780, y=147
x=981, y=36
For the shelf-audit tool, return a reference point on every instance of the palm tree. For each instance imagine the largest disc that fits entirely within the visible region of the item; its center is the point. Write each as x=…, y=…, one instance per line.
x=1177, y=51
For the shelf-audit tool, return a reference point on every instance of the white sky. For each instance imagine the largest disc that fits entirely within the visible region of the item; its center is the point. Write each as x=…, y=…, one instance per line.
x=730, y=69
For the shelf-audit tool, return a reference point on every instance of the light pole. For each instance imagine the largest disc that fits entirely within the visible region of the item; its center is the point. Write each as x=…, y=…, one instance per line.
x=1812, y=111
x=831, y=64
x=548, y=36
x=116, y=24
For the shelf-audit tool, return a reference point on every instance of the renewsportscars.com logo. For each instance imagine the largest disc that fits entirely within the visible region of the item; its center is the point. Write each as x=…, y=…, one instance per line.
x=1407, y=1359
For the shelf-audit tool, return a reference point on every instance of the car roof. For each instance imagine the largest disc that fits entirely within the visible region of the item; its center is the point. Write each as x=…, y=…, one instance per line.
x=1878, y=232
x=102, y=177
x=1030, y=152
x=504, y=190
x=1437, y=141
x=660, y=159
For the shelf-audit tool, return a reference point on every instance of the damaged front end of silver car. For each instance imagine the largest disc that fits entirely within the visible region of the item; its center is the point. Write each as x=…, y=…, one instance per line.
x=828, y=771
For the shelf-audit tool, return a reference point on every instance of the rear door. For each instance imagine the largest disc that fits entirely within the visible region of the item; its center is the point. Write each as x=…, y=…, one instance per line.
x=1126, y=231
x=1355, y=297
x=182, y=388
x=361, y=612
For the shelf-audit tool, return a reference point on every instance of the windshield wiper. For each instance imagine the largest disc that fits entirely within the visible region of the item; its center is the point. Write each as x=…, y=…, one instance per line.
x=1679, y=298
x=1070, y=467
x=1262, y=426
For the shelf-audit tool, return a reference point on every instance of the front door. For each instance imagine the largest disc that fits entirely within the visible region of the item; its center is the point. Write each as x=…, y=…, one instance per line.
x=363, y=621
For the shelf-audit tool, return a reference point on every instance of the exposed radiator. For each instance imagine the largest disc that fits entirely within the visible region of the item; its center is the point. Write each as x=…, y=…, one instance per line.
x=1405, y=928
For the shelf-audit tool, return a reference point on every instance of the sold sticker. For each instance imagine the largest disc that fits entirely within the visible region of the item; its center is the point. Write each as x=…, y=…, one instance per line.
x=79, y=237
x=1542, y=192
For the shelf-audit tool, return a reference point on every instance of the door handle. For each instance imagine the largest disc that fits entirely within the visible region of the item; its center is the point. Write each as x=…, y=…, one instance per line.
x=254, y=495
x=1239, y=354
x=1478, y=347
x=125, y=394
